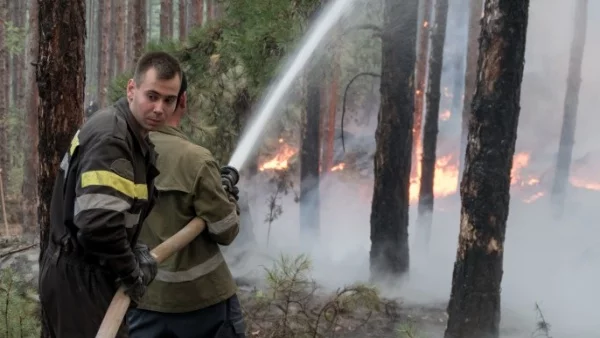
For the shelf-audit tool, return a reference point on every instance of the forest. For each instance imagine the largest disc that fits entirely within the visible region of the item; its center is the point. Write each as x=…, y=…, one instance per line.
x=421, y=168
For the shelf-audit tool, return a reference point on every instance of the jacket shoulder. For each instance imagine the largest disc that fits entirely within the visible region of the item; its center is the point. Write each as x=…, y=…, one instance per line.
x=105, y=123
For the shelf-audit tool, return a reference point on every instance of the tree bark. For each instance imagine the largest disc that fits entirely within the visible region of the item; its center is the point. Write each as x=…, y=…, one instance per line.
x=474, y=307
x=428, y=159
x=389, y=212
x=139, y=30
x=476, y=7
x=182, y=20
x=309, y=157
x=120, y=43
x=104, y=55
x=60, y=79
x=29, y=187
x=567, y=134
x=333, y=95
x=198, y=12
x=4, y=94
x=421, y=73
x=166, y=19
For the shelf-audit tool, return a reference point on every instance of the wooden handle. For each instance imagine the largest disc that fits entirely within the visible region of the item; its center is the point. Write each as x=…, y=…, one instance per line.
x=120, y=302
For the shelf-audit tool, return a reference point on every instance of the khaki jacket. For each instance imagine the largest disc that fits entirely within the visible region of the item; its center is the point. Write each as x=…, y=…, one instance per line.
x=189, y=186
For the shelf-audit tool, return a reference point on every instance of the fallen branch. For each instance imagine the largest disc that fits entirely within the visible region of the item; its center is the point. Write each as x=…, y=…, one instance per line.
x=27, y=247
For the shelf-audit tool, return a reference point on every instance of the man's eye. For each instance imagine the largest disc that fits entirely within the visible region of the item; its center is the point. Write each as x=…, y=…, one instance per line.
x=152, y=97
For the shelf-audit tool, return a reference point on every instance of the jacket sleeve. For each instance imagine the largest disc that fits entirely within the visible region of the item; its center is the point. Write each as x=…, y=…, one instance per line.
x=213, y=205
x=104, y=196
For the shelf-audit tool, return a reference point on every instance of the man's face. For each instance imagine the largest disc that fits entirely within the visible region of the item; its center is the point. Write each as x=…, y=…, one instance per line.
x=152, y=101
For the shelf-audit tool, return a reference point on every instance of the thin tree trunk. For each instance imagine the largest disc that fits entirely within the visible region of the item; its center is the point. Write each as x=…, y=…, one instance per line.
x=332, y=108
x=100, y=51
x=309, y=157
x=4, y=94
x=474, y=307
x=120, y=43
x=199, y=12
x=139, y=29
x=475, y=12
x=436, y=59
x=389, y=212
x=29, y=187
x=567, y=134
x=103, y=56
x=182, y=20
x=61, y=84
x=421, y=72
x=166, y=19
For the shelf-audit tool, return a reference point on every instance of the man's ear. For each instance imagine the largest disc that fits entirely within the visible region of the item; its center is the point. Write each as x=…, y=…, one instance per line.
x=182, y=103
x=130, y=89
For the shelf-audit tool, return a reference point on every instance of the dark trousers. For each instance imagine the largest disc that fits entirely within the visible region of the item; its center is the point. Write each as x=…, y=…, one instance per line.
x=74, y=295
x=222, y=320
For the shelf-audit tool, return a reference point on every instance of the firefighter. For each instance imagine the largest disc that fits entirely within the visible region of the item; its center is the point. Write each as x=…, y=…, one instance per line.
x=103, y=191
x=193, y=294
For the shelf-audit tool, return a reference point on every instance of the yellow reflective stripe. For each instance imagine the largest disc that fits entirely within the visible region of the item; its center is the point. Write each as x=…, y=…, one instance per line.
x=74, y=143
x=110, y=179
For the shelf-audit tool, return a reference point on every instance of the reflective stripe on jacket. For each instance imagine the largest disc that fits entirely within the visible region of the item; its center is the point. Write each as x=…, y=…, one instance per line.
x=189, y=186
x=104, y=189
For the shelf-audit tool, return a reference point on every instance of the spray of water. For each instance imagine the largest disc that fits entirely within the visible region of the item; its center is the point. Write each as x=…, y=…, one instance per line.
x=326, y=20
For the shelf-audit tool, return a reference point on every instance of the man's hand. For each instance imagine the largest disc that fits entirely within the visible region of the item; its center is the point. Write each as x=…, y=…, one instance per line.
x=134, y=287
x=146, y=262
x=231, y=189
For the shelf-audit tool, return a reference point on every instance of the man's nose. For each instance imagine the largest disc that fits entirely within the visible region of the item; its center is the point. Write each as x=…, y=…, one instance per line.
x=160, y=107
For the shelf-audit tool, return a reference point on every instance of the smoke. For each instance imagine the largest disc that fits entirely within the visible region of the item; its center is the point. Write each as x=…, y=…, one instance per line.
x=554, y=262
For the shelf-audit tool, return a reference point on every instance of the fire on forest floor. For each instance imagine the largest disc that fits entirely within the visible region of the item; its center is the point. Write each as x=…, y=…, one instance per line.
x=531, y=178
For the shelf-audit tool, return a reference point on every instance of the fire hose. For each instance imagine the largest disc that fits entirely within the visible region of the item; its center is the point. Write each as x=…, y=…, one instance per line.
x=120, y=303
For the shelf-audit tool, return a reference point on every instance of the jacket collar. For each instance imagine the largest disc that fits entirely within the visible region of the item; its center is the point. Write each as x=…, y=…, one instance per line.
x=165, y=129
x=141, y=135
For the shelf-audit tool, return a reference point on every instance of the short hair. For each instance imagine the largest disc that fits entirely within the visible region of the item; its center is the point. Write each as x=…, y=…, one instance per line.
x=167, y=66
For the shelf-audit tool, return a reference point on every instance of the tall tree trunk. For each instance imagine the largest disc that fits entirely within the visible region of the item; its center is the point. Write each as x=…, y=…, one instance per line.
x=139, y=29
x=99, y=50
x=112, y=44
x=210, y=10
x=4, y=94
x=120, y=42
x=182, y=20
x=567, y=134
x=309, y=156
x=198, y=12
x=475, y=9
x=333, y=94
x=389, y=212
x=29, y=187
x=103, y=56
x=166, y=19
x=428, y=159
x=474, y=307
x=421, y=73
x=61, y=85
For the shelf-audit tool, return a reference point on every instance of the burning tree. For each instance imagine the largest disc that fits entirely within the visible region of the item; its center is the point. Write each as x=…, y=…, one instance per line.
x=389, y=212
x=431, y=119
x=474, y=307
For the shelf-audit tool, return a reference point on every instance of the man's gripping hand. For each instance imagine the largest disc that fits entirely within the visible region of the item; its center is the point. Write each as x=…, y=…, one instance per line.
x=146, y=262
x=137, y=282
